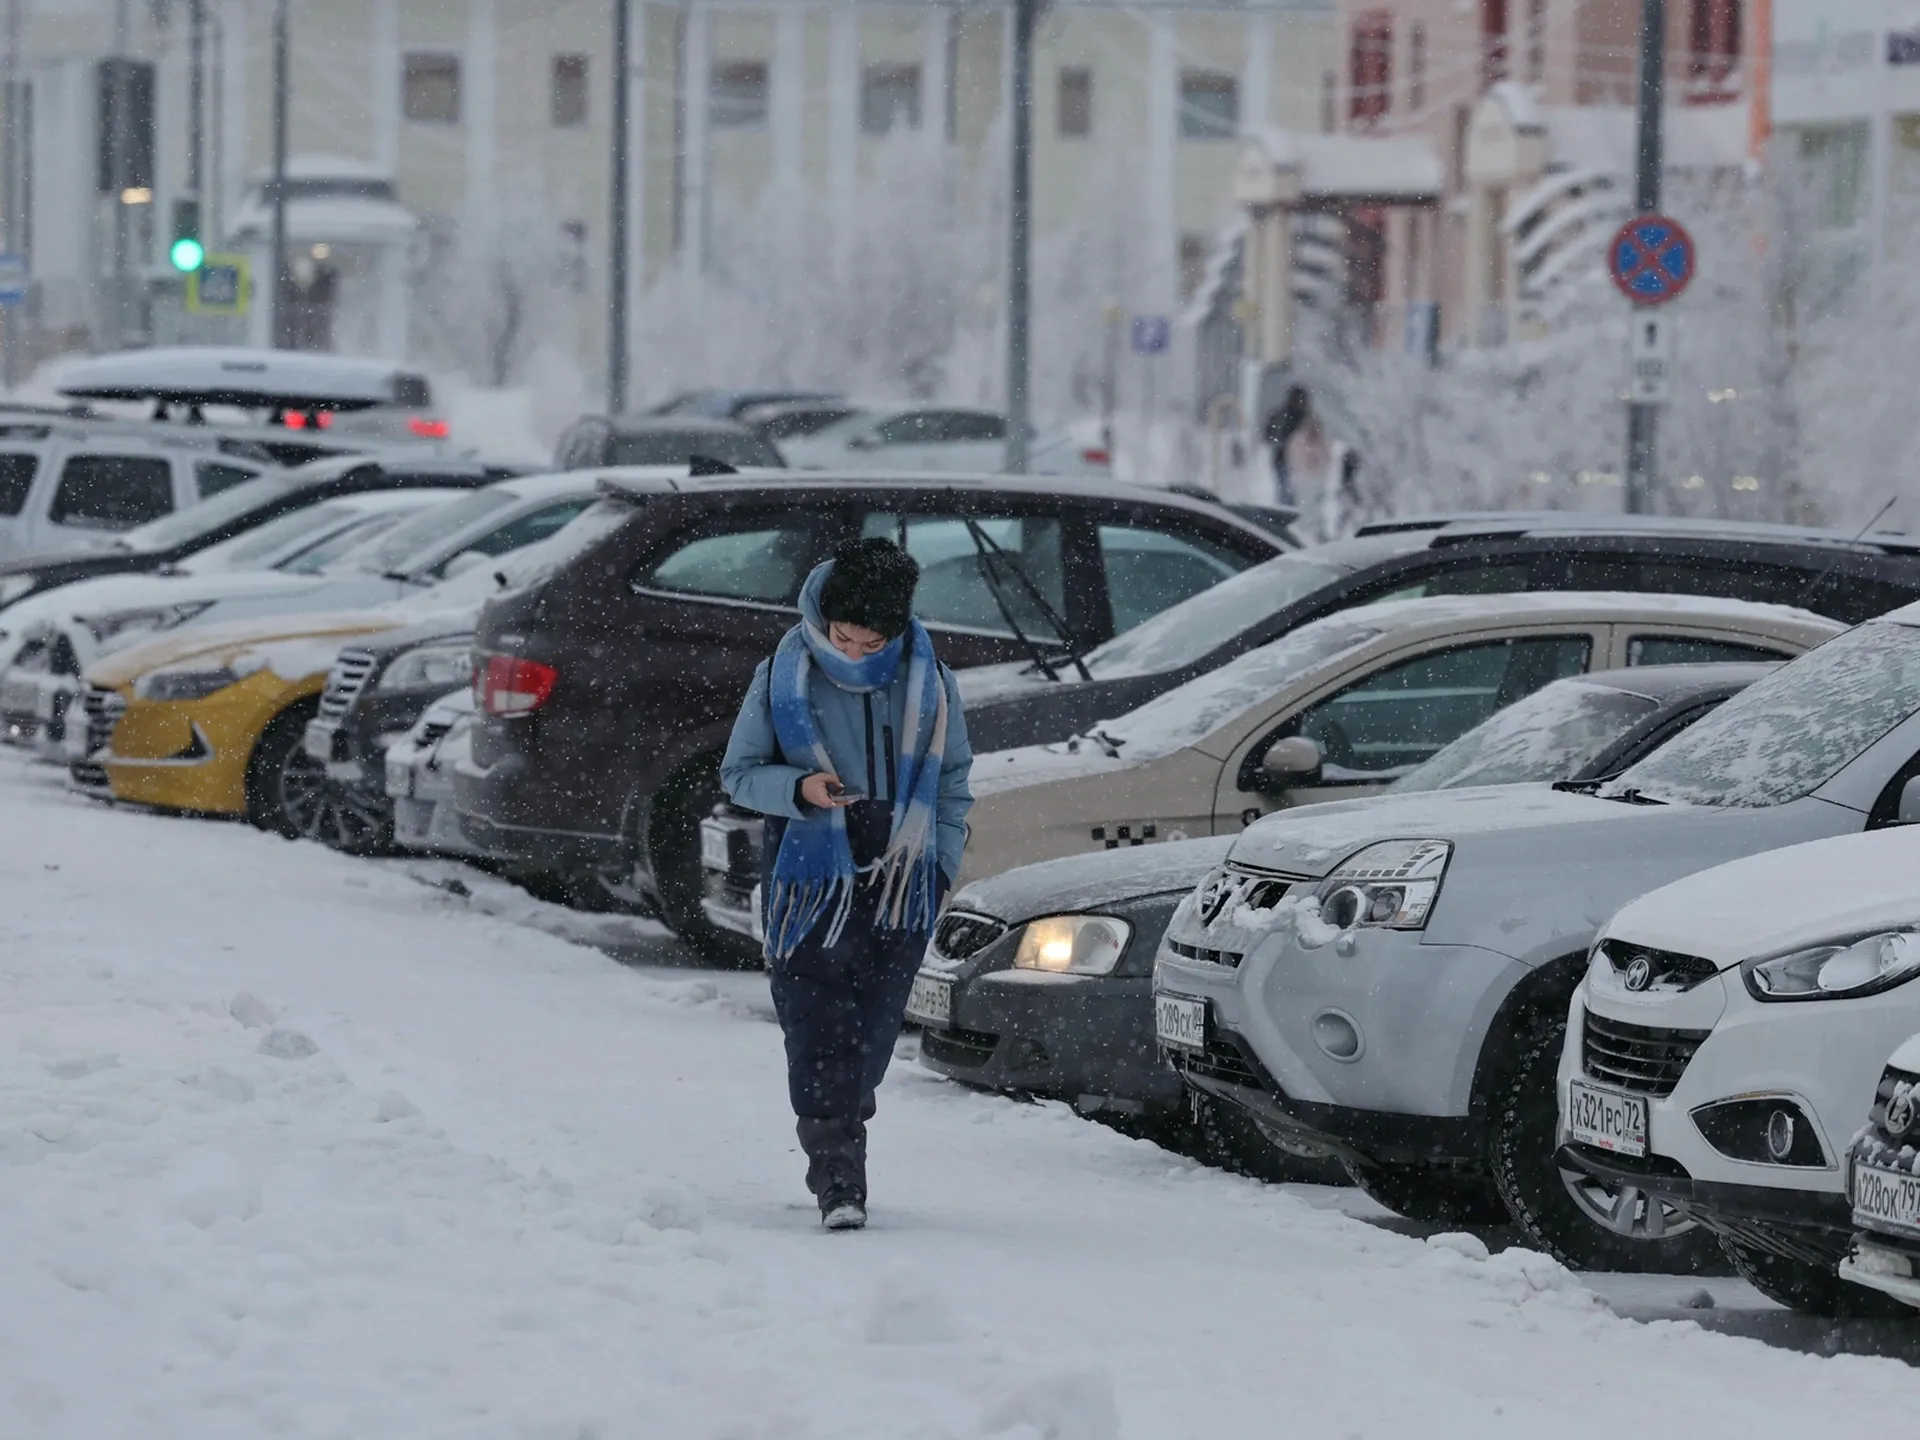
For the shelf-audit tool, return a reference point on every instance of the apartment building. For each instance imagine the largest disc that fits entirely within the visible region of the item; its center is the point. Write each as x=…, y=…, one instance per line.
x=424, y=131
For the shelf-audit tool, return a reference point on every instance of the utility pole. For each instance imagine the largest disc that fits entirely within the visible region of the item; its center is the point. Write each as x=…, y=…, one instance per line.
x=1643, y=418
x=14, y=195
x=617, y=230
x=196, y=98
x=119, y=166
x=277, y=244
x=1020, y=237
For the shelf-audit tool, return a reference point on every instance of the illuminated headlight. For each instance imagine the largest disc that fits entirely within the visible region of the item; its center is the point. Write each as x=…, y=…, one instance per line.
x=436, y=667
x=119, y=623
x=14, y=587
x=1834, y=972
x=184, y=683
x=1391, y=885
x=1073, y=944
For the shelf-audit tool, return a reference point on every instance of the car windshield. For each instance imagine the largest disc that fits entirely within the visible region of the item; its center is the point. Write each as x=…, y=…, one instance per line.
x=1192, y=711
x=430, y=528
x=676, y=447
x=344, y=548
x=283, y=532
x=1183, y=634
x=531, y=564
x=209, y=517
x=1547, y=736
x=1790, y=732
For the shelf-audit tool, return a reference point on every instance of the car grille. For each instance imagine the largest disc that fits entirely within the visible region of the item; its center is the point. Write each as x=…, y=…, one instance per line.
x=345, y=681
x=1221, y=1060
x=1882, y=1141
x=432, y=733
x=969, y=1049
x=1229, y=958
x=1638, y=1057
x=960, y=936
x=103, y=709
x=1667, y=972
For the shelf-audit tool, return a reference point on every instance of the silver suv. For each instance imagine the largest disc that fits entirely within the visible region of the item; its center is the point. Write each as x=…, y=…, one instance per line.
x=1388, y=980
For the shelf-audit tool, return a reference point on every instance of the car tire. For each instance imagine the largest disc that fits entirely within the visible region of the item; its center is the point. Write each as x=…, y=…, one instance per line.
x=673, y=843
x=1429, y=1195
x=1227, y=1137
x=1556, y=1211
x=288, y=792
x=1810, y=1289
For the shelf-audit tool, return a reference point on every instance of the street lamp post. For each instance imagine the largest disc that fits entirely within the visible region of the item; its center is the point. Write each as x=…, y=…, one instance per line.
x=1020, y=237
x=617, y=229
x=277, y=243
x=1643, y=418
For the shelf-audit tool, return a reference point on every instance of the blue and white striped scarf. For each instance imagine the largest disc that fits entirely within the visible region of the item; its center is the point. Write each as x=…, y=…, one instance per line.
x=813, y=872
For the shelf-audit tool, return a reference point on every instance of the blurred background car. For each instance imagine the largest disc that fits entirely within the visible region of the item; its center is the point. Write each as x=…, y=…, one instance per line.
x=418, y=782
x=733, y=404
x=909, y=438
x=784, y=420
x=663, y=440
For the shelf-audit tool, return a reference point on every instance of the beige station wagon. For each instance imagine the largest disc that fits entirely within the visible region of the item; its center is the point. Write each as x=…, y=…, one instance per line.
x=1336, y=710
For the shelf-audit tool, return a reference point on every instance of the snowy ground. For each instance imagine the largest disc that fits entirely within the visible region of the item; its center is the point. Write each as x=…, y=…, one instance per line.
x=294, y=1145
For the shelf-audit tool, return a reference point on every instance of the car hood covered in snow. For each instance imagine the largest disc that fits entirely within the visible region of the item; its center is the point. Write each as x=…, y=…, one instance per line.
x=223, y=644
x=1080, y=883
x=1769, y=904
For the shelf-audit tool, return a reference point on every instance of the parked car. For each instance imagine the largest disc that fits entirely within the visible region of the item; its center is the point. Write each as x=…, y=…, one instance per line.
x=1725, y=1045
x=234, y=511
x=1336, y=710
x=419, y=781
x=213, y=719
x=62, y=631
x=782, y=420
x=1884, y=1187
x=581, y=754
x=593, y=441
x=732, y=404
x=1389, y=980
x=907, y=438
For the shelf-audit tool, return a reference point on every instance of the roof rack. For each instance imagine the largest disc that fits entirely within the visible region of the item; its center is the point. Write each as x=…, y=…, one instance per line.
x=1462, y=530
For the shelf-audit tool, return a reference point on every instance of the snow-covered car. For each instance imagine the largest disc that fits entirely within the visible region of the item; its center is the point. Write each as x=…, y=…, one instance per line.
x=419, y=783
x=63, y=631
x=908, y=438
x=1337, y=709
x=1725, y=1044
x=1883, y=1181
x=1390, y=979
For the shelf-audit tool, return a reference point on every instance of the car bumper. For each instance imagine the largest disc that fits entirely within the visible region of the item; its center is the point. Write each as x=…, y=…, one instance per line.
x=354, y=746
x=730, y=862
x=490, y=798
x=1889, y=1264
x=193, y=755
x=1082, y=1038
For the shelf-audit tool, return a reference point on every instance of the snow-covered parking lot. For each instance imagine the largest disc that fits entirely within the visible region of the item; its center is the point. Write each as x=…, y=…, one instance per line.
x=295, y=1145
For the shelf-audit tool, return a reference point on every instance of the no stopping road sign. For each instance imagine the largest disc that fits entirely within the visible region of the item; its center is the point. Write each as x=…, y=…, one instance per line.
x=1652, y=259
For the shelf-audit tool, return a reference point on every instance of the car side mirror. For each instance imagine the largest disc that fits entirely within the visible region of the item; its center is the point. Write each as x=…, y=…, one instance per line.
x=1909, y=812
x=1292, y=760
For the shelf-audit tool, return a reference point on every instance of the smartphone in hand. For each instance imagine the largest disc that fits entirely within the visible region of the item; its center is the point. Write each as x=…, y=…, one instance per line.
x=843, y=796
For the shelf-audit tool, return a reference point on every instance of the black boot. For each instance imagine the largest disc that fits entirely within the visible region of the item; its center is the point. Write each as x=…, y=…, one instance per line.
x=836, y=1168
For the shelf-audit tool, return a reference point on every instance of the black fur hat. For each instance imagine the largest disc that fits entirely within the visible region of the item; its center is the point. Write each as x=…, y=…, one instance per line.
x=871, y=584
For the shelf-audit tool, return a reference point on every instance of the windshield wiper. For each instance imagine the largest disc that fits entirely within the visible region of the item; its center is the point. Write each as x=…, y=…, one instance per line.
x=1633, y=795
x=990, y=552
x=1578, y=787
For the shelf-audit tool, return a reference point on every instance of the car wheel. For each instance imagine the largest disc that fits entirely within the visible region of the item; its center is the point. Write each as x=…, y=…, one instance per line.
x=674, y=844
x=288, y=792
x=1581, y=1223
x=1223, y=1135
x=1430, y=1195
x=1810, y=1289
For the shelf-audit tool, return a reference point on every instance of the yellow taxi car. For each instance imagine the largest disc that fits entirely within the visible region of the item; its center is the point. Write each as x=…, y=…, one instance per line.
x=212, y=720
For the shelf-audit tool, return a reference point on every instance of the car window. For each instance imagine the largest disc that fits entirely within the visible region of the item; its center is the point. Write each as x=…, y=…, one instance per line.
x=1549, y=735
x=16, y=479
x=281, y=534
x=1402, y=714
x=429, y=530
x=939, y=427
x=529, y=529
x=112, y=492
x=412, y=391
x=1850, y=598
x=677, y=447
x=1464, y=580
x=1149, y=571
x=1186, y=633
x=1790, y=732
x=210, y=477
x=766, y=563
x=965, y=584
x=1695, y=650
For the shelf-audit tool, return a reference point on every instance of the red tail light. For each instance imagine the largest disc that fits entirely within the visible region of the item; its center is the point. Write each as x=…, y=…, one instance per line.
x=428, y=429
x=1096, y=457
x=299, y=420
x=508, y=685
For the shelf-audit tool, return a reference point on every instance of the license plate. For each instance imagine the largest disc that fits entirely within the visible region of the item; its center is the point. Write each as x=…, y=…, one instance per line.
x=1886, y=1197
x=399, y=780
x=1180, y=1022
x=931, y=1000
x=715, y=851
x=1606, y=1119
x=319, y=740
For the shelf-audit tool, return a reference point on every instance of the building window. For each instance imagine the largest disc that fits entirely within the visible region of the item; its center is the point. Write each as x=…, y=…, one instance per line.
x=568, y=100
x=1209, y=105
x=1075, y=102
x=737, y=95
x=1370, y=69
x=1536, y=40
x=1714, y=39
x=430, y=88
x=889, y=98
x=1493, y=41
x=1417, y=66
x=1834, y=159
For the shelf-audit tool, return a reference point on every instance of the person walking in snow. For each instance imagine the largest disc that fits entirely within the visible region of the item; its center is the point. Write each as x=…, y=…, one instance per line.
x=853, y=743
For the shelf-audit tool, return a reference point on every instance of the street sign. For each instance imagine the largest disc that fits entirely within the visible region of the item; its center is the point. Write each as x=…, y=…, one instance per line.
x=1650, y=360
x=1652, y=259
x=1151, y=334
x=219, y=287
x=14, y=279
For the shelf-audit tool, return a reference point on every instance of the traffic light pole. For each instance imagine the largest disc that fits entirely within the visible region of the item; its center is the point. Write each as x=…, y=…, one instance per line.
x=196, y=96
x=1642, y=418
x=1020, y=237
x=277, y=244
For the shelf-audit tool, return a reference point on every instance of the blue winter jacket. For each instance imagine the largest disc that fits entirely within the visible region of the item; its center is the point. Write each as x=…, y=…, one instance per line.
x=860, y=732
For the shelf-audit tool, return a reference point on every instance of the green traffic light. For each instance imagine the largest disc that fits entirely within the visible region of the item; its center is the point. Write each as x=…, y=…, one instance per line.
x=188, y=254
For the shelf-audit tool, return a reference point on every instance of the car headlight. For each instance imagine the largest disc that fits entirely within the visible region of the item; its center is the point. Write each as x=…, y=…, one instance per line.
x=117, y=623
x=1391, y=885
x=184, y=683
x=1073, y=944
x=1835, y=972
x=16, y=587
x=437, y=667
